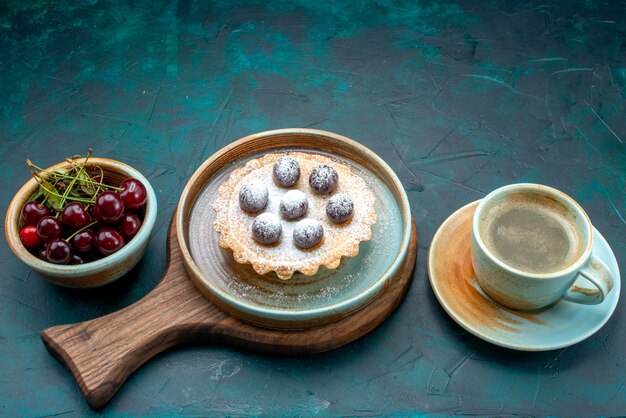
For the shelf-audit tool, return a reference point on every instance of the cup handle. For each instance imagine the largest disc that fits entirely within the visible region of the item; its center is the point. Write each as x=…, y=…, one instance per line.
x=599, y=275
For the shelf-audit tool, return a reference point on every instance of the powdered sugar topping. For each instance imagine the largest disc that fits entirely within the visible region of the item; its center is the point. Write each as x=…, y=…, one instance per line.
x=267, y=228
x=308, y=233
x=339, y=208
x=253, y=196
x=286, y=171
x=284, y=256
x=293, y=205
x=323, y=179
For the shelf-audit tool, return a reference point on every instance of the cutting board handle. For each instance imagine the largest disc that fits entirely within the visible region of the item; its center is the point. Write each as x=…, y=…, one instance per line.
x=103, y=352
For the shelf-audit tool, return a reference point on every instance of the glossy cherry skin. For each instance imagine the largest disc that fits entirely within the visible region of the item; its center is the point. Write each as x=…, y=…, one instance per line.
x=108, y=241
x=75, y=216
x=49, y=227
x=129, y=225
x=29, y=237
x=84, y=241
x=109, y=207
x=40, y=253
x=134, y=194
x=59, y=251
x=32, y=212
x=76, y=259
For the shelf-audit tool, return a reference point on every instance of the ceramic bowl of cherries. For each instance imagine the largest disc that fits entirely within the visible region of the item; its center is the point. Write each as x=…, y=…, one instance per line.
x=82, y=223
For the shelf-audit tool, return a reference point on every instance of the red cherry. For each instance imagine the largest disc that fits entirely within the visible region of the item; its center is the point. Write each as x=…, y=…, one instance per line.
x=75, y=216
x=129, y=225
x=84, y=241
x=108, y=241
x=133, y=194
x=29, y=237
x=59, y=251
x=33, y=211
x=76, y=259
x=109, y=207
x=41, y=254
x=49, y=227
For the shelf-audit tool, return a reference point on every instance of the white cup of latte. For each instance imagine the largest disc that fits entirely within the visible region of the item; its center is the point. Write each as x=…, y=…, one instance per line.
x=532, y=246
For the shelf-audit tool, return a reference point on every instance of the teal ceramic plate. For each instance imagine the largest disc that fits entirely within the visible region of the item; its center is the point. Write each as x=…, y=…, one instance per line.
x=302, y=301
x=452, y=279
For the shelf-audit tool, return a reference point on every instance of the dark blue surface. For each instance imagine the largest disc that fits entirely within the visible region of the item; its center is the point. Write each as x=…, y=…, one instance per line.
x=459, y=98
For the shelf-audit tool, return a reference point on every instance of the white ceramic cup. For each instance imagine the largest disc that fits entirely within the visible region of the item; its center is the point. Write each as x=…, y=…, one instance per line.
x=585, y=279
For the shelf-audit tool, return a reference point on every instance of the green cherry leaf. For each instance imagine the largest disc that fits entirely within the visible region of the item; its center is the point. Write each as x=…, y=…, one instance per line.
x=51, y=194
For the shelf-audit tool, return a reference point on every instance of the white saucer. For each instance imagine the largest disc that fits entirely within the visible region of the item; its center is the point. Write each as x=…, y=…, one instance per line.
x=452, y=279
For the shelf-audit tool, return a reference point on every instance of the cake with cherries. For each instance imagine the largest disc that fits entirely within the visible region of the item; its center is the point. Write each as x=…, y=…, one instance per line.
x=294, y=212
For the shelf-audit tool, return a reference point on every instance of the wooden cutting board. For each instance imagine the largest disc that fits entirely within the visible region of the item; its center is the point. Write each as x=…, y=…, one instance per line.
x=102, y=353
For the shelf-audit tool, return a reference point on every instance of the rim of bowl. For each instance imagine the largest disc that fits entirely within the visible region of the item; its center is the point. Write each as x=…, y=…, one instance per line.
x=77, y=270
x=282, y=315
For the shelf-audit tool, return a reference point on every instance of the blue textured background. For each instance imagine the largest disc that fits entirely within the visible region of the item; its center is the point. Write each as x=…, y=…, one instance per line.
x=459, y=98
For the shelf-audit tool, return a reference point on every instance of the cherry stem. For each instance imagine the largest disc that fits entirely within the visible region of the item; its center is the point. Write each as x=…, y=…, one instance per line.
x=66, y=177
x=75, y=171
x=31, y=166
x=81, y=230
x=101, y=179
x=80, y=170
x=78, y=199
